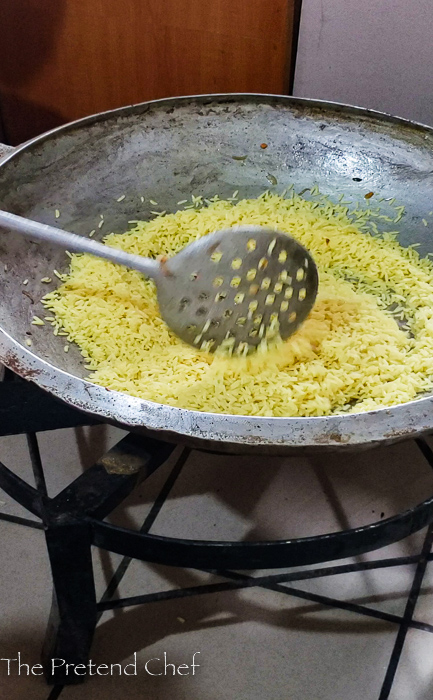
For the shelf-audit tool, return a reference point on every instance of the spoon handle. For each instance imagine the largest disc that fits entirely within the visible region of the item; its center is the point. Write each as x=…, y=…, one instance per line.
x=78, y=244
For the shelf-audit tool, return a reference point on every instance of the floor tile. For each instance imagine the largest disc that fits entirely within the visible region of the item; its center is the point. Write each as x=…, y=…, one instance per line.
x=131, y=514
x=210, y=501
x=253, y=645
x=14, y=454
x=384, y=589
x=367, y=486
x=424, y=607
x=293, y=497
x=24, y=606
x=414, y=677
x=66, y=453
x=221, y=497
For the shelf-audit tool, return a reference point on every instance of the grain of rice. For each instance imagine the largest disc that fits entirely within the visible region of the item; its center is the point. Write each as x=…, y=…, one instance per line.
x=349, y=355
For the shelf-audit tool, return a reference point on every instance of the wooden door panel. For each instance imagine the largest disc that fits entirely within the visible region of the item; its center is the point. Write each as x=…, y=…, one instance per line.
x=65, y=59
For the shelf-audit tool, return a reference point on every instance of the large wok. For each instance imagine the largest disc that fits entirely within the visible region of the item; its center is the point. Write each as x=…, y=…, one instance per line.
x=166, y=150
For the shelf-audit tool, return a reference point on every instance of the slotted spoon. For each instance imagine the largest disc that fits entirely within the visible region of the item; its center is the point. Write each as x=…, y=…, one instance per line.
x=236, y=287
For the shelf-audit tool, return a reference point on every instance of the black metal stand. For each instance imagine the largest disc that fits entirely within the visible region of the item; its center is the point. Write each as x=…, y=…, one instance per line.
x=73, y=614
x=74, y=520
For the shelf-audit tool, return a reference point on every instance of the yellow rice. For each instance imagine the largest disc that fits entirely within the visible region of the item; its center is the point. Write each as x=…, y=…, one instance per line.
x=350, y=354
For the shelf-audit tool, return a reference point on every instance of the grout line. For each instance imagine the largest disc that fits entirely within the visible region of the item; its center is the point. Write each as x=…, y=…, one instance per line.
x=146, y=526
x=26, y=522
x=407, y=616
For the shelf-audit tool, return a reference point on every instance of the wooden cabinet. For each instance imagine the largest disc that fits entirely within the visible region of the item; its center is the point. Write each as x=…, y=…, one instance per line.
x=64, y=59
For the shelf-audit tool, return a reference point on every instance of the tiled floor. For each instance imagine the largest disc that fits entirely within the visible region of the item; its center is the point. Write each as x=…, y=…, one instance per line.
x=253, y=643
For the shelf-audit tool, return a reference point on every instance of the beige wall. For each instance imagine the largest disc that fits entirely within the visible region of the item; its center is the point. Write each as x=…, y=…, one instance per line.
x=373, y=53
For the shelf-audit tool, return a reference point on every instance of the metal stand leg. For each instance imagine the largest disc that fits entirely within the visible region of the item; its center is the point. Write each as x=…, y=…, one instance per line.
x=69, y=534
x=73, y=613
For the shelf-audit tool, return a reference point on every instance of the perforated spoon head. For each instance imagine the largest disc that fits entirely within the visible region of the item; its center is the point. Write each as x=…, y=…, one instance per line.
x=233, y=289
x=237, y=287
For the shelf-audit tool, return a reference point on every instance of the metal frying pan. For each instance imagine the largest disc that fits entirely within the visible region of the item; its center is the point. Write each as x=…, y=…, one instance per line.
x=166, y=150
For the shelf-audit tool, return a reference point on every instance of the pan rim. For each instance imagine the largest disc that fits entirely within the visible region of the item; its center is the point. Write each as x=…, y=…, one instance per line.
x=386, y=424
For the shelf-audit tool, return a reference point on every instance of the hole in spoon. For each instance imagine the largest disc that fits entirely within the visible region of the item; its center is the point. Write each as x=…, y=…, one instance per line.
x=184, y=303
